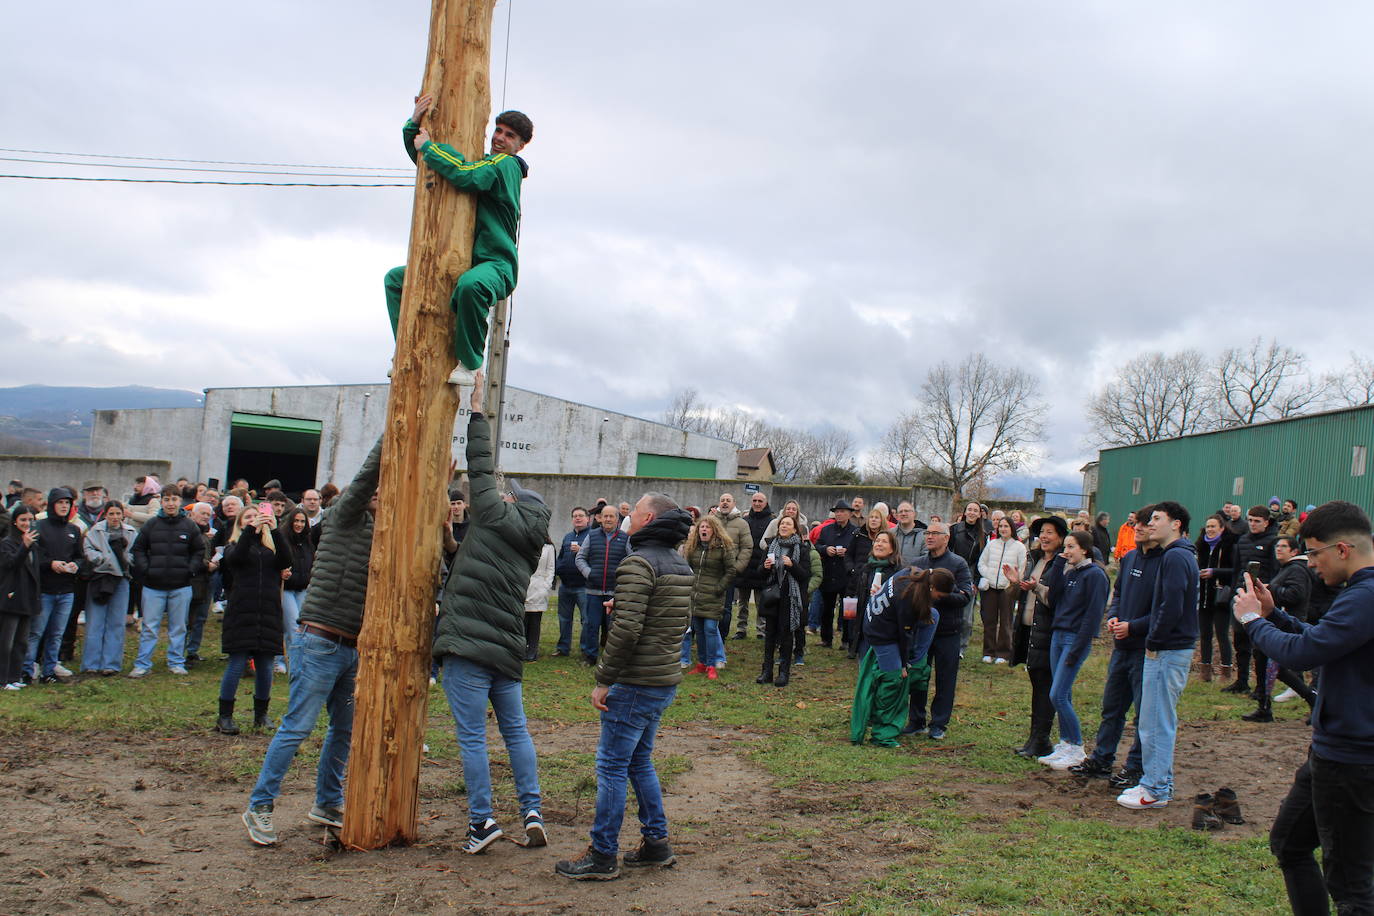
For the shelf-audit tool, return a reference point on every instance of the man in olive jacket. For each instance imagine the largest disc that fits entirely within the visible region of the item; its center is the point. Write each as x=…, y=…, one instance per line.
x=636, y=680
x=481, y=632
x=323, y=656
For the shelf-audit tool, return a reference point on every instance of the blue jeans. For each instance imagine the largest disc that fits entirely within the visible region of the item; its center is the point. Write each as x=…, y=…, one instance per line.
x=1161, y=683
x=1061, y=685
x=469, y=687
x=1119, y=693
x=710, y=648
x=104, y=649
x=628, y=728
x=569, y=599
x=593, y=619
x=290, y=610
x=322, y=676
x=174, y=603
x=813, y=611
x=46, y=633
x=233, y=673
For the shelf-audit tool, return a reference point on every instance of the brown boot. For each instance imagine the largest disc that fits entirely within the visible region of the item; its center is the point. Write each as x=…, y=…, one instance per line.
x=1205, y=672
x=1226, y=807
x=1227, y=671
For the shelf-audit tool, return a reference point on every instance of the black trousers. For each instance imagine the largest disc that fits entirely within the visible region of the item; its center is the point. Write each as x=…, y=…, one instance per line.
x=1289, y=678
x=944, y=657
x=777, y=638
x=14, y=645
x=533, y=622
x=1331, y=806
x=1215, y=620
x=828, y=600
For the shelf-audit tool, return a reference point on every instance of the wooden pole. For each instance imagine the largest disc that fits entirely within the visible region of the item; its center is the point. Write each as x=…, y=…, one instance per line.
x=382, y=800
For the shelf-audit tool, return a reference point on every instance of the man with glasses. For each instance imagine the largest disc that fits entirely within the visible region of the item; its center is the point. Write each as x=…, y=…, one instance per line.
x=1329, y=804
x=909, y=533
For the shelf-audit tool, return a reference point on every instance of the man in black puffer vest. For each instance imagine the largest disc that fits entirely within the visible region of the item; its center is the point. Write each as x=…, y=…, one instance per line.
x=481, y=632
x=636, y=681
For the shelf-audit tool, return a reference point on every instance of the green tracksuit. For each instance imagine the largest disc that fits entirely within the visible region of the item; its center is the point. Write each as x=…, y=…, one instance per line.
x=495, y=180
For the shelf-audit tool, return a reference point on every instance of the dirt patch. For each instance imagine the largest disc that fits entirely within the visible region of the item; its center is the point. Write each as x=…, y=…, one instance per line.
x=103, y=824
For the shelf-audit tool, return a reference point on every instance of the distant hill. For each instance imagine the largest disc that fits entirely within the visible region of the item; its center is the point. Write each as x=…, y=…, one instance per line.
x=51, y=420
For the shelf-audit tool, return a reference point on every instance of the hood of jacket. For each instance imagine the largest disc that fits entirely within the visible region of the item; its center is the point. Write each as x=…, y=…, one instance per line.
x=668, y=530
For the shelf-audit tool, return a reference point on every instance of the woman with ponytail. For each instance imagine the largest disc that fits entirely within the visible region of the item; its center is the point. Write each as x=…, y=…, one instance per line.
x=898, y=626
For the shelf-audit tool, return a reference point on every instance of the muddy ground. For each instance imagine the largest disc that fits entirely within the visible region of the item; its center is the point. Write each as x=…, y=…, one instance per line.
x=101, y=823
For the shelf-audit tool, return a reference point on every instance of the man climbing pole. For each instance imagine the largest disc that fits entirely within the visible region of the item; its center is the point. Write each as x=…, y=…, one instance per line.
x=495, y=180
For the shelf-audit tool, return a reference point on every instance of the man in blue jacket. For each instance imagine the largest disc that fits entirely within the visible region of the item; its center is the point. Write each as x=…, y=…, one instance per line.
x=600, y=554
x=1331, y=803
x=1130, y=605
x=572, y=585
x=1169, y=639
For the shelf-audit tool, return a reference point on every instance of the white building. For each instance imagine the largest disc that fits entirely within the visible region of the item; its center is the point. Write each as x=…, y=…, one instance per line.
x=308, y=435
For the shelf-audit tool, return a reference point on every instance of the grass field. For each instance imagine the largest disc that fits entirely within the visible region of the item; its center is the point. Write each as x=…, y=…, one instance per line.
x=961, y=826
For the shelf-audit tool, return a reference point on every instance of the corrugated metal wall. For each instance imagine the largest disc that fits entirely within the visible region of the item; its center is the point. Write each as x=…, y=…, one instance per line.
x=1307, y=459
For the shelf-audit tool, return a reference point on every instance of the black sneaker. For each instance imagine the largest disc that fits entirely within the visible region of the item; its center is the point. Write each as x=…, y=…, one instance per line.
x=936, y=733
x=480, y=836
x=593, y=866
x=49, y=679
x=323, y=814
x=560, y=653
x=651, y=852
x=913, y=729
x=534, y=830
x=740, y=634
x=1092, y=769
x=1125, y=778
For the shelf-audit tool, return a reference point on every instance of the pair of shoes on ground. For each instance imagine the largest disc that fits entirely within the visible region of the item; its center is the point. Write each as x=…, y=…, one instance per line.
x=1063, y=756
x=1213, y=812
x=258, y=820
x=482, y=835
x=600, y=866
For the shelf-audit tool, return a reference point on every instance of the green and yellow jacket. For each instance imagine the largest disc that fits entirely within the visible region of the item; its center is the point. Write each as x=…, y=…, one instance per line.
x=495, y=180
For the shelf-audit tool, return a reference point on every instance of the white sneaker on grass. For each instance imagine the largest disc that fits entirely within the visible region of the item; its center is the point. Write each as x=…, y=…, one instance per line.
x=1072, y=756
x=61, y=671
x=987, y=659
x=1050, y=758
x=1289, y=694
x=138, y=672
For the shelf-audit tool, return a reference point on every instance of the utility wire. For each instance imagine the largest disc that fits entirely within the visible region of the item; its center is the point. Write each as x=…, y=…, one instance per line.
x=176, y=168
x=250, y=184
x=505, y=68
x=282, y=165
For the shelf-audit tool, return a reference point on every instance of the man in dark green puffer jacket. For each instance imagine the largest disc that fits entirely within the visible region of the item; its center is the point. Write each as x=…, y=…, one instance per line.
x=637, y=678
x=481, y=632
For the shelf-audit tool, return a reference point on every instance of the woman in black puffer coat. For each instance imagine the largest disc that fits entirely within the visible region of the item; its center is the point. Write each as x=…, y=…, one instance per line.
x=19, y=591
x=296, y=525
x=257, y=552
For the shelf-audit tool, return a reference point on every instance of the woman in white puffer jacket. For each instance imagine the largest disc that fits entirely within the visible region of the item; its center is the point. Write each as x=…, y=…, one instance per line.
x=999, y=596
x=537, y=600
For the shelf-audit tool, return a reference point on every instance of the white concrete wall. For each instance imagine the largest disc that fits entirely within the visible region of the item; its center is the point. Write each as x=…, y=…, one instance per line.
x=115, y=475
x=161, y=434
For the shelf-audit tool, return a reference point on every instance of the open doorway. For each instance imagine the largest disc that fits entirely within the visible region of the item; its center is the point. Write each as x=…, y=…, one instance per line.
x=265, y=447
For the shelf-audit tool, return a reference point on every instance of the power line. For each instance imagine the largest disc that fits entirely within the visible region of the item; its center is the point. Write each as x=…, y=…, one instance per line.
x=245, y=184
x=176, y=168
x=281, y=165
x=505, y=68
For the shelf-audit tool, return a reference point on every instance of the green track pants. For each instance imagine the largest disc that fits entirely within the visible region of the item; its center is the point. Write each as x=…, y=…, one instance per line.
x=476, y=292
x=880, y=701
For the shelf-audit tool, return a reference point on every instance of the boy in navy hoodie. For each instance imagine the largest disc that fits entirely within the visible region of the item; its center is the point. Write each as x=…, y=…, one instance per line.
x=1330, y=802
x=1169, y=640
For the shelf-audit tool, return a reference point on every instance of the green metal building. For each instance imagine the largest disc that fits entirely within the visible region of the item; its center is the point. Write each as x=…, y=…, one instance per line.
x=1309, y=459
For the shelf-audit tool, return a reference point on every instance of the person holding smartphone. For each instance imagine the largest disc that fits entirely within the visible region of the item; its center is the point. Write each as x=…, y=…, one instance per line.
x=1329, y=804
x=1253, y=554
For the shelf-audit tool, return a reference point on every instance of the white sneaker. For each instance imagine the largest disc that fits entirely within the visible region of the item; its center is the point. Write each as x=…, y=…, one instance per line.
x=463, y=377
x=138, y=672
x=178, y=669
x=999, y=661
x=60, y=671
x=987, y=659
x=1072, y=757
x=279, y=668
x=17, y=685
x=1052, y=756
x=1289, y=694
x=219, y=607
x=1140, y=800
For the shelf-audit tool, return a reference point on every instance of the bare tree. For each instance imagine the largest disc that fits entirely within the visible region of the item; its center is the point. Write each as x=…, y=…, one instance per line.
x=896, y=460
x=1266, y=381
x=791, y=451
x=977, y=418
x=1353, y=386
x=685, y=410
x=831, y=448
x=1153, y=397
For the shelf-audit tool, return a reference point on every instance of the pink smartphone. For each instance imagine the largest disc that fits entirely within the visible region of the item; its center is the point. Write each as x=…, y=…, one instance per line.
x=265, y=508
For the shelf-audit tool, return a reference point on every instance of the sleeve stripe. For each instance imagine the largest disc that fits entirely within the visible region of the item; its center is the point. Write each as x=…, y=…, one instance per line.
x=459, y=163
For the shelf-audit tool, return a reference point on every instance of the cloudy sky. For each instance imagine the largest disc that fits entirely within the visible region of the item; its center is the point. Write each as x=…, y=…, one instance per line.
x=795, y=208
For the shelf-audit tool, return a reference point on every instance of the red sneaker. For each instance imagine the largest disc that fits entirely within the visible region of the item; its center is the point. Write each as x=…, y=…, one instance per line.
x=700, y=669
x=711, y=673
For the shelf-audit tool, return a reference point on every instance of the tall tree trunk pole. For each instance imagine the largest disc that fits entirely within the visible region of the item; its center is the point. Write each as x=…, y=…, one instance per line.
x=393, y=671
